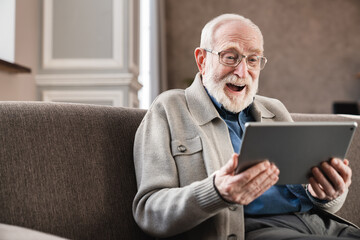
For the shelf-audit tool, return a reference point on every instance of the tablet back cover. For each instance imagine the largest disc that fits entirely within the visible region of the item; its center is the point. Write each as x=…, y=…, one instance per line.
x=294, y=147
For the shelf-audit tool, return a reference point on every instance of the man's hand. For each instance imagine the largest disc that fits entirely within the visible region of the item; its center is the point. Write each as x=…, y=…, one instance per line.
x=331, y=181
x=246, y=186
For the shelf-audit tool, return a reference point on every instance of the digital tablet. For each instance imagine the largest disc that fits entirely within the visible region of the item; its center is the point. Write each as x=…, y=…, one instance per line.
x=295, y=147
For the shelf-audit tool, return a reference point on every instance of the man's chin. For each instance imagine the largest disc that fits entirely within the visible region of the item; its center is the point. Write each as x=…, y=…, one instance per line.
x=230, y=102
x=237, y=107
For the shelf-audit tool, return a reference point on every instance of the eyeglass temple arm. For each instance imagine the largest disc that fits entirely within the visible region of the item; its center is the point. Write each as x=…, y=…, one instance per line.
x=211, y=51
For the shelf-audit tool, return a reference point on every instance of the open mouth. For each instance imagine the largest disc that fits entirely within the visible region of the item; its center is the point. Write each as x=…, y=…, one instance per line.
x=234, y=87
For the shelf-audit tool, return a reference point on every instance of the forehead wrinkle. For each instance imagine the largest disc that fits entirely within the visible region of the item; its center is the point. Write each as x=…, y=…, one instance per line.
x=247, y=42
x=239, y=49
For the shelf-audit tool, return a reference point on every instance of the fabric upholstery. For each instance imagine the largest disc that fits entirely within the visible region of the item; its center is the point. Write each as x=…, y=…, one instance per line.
x=67, y=169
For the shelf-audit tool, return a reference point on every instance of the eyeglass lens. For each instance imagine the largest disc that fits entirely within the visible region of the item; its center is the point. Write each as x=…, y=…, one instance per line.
x=230, y=58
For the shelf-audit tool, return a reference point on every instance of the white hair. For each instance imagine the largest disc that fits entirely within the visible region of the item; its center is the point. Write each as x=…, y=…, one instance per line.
x=207, y=33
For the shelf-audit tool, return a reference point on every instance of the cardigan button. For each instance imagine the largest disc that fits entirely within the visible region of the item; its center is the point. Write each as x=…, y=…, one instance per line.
x=181, y=148
x=232, y=208
x=232, y=237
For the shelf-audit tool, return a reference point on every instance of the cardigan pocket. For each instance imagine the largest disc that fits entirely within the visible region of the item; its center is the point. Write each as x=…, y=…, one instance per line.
x=186, y=147
x=189, y=160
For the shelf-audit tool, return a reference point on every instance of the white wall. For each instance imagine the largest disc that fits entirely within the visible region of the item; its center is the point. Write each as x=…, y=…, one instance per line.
x=7, y=30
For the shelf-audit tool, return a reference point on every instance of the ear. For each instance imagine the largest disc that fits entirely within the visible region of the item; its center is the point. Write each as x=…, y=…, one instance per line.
x=200, y=57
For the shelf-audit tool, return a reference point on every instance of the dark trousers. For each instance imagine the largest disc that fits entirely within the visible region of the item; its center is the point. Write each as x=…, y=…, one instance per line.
x=311, y=225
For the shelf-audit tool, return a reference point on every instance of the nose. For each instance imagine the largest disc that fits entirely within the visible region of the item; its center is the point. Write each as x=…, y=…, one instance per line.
x=241, y=70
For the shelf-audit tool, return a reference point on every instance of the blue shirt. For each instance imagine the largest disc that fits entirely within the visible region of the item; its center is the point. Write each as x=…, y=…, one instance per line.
x=279, y=198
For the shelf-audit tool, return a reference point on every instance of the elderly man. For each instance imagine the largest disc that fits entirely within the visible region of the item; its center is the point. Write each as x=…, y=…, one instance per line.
x=186, y=153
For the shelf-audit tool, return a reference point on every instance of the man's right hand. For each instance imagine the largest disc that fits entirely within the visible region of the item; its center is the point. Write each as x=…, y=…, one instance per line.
x=246, y=186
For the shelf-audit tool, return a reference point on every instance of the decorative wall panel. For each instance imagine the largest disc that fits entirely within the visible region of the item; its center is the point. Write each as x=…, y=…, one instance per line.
x=90, y=46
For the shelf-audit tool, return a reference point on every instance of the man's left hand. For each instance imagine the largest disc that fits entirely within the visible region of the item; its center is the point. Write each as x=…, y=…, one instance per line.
x=331, y=181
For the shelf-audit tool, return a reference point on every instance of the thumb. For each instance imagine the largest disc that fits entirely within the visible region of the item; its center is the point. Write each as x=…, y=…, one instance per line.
x=231, y=165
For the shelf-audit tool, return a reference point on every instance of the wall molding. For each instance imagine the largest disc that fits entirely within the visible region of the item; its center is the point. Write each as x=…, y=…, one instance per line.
x=111, y=80
x=49, y=62
x=88, y=80
x=115, y=98
x=133, y=65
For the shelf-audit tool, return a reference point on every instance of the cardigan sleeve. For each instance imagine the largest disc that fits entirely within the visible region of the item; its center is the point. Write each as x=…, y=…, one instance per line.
x=162, y=207
x=329, y=206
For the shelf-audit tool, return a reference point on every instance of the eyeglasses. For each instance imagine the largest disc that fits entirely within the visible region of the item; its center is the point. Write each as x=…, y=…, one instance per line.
x=233, y=59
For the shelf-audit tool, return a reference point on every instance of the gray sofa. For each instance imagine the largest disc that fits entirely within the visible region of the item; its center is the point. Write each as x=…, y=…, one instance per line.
x=67, y=170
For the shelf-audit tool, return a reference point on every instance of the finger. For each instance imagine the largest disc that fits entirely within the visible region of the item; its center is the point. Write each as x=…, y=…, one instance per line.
x=259, y=185
x=333, y=176
x=248, y=175
x=228, y=184
x=343, y=169
x=323, y=181
x=316, y=189
x=235, y=158
x=230, y=166
x=271, y=181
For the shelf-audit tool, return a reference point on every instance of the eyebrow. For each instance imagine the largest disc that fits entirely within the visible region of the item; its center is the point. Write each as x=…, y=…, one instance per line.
x=256, y=51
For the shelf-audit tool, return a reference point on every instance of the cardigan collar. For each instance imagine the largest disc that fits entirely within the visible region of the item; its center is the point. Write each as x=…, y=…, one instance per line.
x=260, y=112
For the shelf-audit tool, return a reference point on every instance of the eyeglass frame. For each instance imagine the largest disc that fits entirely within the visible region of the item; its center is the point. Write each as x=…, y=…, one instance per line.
x=241, y=57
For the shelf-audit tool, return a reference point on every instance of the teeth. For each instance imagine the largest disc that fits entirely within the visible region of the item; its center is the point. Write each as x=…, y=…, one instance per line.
x=235, y=87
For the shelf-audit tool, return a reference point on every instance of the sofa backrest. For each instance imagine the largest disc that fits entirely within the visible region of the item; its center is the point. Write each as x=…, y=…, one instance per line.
x=351, y=208
x=67, y=169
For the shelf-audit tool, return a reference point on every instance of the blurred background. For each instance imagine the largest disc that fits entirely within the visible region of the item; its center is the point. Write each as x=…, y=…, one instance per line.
x=126, y=52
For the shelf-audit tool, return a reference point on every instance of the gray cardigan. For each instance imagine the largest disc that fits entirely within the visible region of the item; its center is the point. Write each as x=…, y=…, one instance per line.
x=180, y=143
